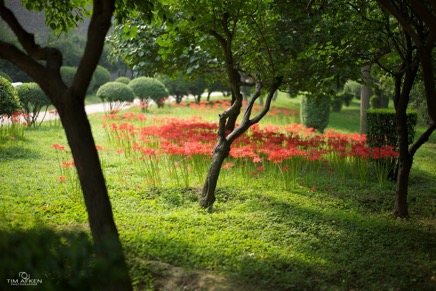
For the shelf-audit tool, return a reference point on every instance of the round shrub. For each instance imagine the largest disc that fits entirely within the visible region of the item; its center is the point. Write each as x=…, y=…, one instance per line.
x=315, y=111
x=149, y=88
x=68, y=73
x=32, y=100
x=115, y=91
x=9, y=102
x=124, y=80
x=101, y=76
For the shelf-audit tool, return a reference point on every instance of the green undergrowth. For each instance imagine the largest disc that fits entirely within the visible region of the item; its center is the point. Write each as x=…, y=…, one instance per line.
x=322, y=234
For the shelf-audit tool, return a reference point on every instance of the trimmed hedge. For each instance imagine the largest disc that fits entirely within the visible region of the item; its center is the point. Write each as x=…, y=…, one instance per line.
x=149, y=88
x=68, y=73
x=115, y=91
x=9, y=102
x=32, y=100
x=382, y=128
x=101, y=76
x=124, y=80
x=315, y=111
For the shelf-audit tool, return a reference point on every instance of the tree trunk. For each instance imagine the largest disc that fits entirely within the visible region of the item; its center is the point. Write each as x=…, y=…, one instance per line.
x=231, y=123
x=404, y=167
x=365, y=92
x=104, y=232
x=220, y=153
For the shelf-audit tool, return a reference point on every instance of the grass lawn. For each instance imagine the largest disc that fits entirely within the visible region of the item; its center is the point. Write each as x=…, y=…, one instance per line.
x=323, y=233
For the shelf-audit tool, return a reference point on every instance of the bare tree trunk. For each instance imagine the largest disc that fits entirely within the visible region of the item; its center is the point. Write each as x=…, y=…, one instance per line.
x=222, y=148
x=104, y=232
x=365, y=92
x=220, y=153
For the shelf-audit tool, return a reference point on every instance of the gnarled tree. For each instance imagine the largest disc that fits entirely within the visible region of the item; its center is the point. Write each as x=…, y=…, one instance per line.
x=43, y=64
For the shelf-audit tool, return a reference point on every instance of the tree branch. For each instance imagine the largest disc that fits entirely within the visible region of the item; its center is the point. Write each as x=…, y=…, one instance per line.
x=401, y=19
x=52, y=55
x=422, y=139
x=98, y=28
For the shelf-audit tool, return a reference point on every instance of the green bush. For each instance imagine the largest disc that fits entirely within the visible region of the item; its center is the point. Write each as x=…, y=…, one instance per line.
x=315, y=111
x=32, y=100
x=6, y=76
x=147, y=88
x=382, y=128
x=101, y=76
x=68, y=73
x=115, y=93
x=337, y=104
x=9, y=102
x=124, y=80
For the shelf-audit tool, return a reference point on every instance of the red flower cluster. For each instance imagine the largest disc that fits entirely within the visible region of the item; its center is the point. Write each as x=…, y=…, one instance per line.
x=193, y=136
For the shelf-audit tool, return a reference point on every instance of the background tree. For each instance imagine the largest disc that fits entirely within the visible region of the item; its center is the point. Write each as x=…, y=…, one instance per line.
x=147, y=89
x=116, y=94
x=415, y=46
x=9, y=102
x=43, y=65
x=32, y=101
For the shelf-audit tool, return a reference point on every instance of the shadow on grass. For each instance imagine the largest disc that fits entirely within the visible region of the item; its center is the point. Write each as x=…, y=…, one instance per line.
x=52, y=260
x=298, y=247
x=15, y=152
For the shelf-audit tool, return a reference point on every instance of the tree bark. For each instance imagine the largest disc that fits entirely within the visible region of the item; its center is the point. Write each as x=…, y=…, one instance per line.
x=70, y=104
x=220, y=153
x=104, y=232
x=365, y=92
x=222, y=148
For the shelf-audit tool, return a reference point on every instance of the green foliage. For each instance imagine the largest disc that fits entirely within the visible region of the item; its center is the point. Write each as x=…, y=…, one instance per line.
x=71, y=45
x=337, y=103
x=124, y=80
x=32, y=100
x=9, y=102
x=375, y=101
x=68, y=73
x=352, y=88
x=101, y=76
x=60, y=15
x=327, y=234
x=115, y=91
x=315, y=111
x=6, y=76
x=382, y=129
x=149, y=88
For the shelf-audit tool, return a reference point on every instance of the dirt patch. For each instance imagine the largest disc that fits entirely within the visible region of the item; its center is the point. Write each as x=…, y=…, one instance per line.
x=171, y=278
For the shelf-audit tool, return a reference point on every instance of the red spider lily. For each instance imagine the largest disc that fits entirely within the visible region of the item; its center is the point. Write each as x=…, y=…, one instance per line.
x=67, y=164
x=100, y=148
x=228, y=165
x=383, y=153
x=58, y=147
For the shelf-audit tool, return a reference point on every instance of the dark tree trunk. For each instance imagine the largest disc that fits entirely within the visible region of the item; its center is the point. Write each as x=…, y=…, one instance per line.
x=225, y=140
x=401, y=101
x=231, y=122
x=220, y=153
x=70, y=104
x=104, y=232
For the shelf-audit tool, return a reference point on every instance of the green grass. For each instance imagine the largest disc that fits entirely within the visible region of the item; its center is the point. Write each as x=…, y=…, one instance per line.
x=323, y=235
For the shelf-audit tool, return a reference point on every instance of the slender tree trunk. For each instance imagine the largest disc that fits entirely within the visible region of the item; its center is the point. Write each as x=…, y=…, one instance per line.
x=220, y=153
x=104, y=232
x=365, y=92
x=231, y=122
